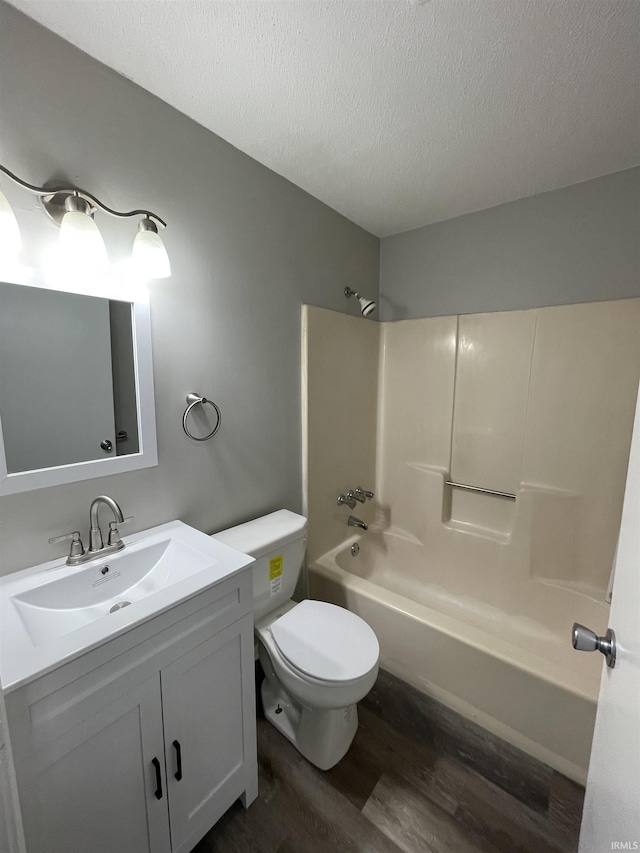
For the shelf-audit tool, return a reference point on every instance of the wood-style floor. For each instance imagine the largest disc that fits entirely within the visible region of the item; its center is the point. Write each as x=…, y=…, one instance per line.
x=418, y=778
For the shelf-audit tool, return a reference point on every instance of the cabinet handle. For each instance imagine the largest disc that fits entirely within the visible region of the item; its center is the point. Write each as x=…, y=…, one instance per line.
x=178, y=748
x=158, y=790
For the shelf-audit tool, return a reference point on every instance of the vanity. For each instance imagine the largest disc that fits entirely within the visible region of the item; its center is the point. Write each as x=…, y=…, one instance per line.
x=129, y=691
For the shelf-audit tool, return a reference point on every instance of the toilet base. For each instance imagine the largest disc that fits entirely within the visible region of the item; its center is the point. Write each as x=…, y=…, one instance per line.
x=323, y=737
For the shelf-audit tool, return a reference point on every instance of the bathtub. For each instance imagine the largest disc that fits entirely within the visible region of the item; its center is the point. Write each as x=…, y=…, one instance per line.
x=492, y=647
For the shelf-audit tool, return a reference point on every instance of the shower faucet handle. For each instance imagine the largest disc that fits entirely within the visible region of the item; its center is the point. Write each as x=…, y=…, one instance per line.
x=361, y=494
x=347, y=499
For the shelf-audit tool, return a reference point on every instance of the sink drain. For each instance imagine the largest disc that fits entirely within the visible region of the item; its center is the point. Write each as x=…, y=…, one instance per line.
x=119, y=606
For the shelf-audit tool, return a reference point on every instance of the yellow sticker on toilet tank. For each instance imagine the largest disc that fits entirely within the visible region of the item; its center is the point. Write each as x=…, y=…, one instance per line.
x=275, y=567
x=275, y=574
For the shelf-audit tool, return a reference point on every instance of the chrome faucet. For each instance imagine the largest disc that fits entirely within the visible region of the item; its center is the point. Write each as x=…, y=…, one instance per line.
x=355, y=522
x=77, y=553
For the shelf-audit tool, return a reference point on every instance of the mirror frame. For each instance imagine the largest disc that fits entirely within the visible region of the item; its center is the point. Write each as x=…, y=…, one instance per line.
x=147, y=456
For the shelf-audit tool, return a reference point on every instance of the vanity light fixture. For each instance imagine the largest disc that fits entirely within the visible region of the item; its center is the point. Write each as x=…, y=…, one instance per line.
x=80, y=245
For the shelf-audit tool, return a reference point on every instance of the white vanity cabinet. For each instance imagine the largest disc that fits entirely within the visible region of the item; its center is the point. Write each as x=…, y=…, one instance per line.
x=140, y=745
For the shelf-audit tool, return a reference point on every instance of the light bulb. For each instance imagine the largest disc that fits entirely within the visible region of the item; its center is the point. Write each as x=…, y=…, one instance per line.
x=10, y=241
x=149, y=256
x=81, y=245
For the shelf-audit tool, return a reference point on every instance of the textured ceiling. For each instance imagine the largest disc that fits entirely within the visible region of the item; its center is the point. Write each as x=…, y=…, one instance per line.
x=396, y=114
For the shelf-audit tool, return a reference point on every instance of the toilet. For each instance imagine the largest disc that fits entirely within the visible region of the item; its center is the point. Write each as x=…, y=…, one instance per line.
x=319, y=660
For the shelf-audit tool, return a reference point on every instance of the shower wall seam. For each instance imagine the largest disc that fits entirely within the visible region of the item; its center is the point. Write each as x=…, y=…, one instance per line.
x=455, y=386
x=525, y=431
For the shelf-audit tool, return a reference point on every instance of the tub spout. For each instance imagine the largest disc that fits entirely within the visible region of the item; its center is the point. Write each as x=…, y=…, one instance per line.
x=355, y=522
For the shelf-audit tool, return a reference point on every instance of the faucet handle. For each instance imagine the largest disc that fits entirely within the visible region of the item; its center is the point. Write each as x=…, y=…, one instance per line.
x=347, y=499
x=357, y=495
x=114, y=533
x=77, y=548
x=362, y=494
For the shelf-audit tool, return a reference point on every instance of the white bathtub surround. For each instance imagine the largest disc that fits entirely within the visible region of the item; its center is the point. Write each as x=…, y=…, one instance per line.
x=339, y=452
x=491, y=387
x=473, y=596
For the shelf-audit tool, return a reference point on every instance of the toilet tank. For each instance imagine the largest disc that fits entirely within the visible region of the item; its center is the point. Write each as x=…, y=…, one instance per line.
x=277, y=542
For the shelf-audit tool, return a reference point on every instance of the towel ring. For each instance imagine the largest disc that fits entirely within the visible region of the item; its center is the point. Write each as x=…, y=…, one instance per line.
x=193, y=400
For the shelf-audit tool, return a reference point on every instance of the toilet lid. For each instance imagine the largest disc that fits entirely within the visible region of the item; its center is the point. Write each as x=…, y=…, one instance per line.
x=326, y=642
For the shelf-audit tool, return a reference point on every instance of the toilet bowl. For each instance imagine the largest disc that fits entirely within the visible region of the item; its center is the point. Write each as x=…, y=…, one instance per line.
x=319, y=660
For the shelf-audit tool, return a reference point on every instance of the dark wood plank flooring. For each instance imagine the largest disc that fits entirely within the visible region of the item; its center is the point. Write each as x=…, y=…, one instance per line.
x=418, y=778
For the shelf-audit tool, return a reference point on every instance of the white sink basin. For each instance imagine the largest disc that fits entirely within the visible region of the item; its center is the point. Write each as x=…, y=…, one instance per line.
x=101, y=589
x=53, y=612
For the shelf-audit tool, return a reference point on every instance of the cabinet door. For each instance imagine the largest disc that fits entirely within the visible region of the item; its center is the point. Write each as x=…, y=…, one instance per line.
x=94, y=788
x=209, y=724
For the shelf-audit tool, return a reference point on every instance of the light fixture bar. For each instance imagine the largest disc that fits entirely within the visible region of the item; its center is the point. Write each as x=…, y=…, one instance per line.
x=50, y=192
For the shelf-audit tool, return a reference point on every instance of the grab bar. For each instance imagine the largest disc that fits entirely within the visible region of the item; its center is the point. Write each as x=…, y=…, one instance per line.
x=509, y=495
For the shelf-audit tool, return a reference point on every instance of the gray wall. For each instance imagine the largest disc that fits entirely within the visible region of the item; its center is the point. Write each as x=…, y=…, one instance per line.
x=247, y=249
x=577, y=244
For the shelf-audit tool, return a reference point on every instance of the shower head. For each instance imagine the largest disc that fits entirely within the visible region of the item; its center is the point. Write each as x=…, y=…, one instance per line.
x=367, y=306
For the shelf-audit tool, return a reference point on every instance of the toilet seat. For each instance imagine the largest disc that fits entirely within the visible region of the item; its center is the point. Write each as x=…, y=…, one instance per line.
x=325, y=643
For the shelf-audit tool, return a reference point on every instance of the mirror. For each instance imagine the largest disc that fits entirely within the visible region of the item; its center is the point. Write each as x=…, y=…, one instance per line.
x=76, y=387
